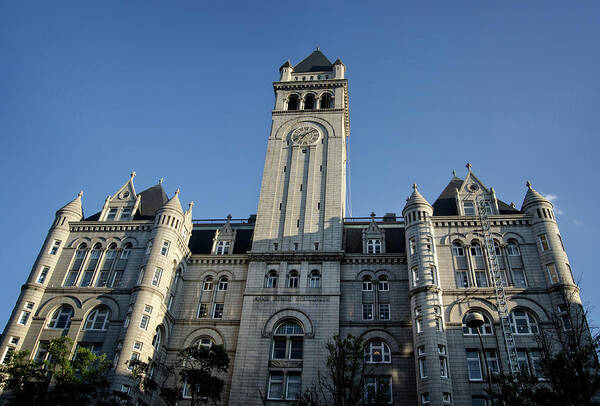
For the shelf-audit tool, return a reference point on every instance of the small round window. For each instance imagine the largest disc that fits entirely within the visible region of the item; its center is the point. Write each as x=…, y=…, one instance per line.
x=124, y=195
x=473, y=187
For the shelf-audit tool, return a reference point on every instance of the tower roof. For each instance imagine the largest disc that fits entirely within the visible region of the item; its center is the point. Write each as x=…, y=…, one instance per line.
x=153, y=199
x=174, y=203
x=416, y=198
x=315, y=62
x=533, y=196
x=74, y=205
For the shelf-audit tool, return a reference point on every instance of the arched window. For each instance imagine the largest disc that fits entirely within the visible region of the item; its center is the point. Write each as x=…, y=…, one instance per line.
x=288, y=341
x=497, y=249
x=512, y=249
x=523, y=322
x=293, y=102
x=126, y=250
x=457, y=249
x=476, y=249
x=111, y=252
x=486, y=329
x=326, y=101
x=61, y=318
x=271, y=279
x=377, y=352
x=383, y=284
x=309, y=101
x=314, y=279
x=205, y=342
x=293, y=279
x=80, y=253
x=367, y=284
x=208, y=283
x=98, y=319
x=157, y=339
x=223, y=283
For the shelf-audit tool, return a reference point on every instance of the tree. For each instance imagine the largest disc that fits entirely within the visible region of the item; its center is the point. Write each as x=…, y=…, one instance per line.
x=569, y=362
x=199, y=375
x=343, y=382
x=58, y=380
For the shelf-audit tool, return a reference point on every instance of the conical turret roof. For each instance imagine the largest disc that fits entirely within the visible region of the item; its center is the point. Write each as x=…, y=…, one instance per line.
x=174, y=203
x=74, y=206
x=416, y=198
x=533, y=196
x=315, y=62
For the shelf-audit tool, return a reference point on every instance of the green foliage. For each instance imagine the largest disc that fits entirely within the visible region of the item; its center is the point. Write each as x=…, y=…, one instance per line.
x=59, y=380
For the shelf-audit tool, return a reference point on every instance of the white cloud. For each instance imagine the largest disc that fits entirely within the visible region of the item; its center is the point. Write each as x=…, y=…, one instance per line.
x=551, y=197
x=558, y=211
x=577, y=222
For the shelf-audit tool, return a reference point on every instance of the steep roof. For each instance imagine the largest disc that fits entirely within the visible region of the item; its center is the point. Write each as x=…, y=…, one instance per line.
x=201, y=240
x=74, y=206
x=416, y=198
x=532, y=196
x=174, y=203
x=315, y=62
x=153, y=199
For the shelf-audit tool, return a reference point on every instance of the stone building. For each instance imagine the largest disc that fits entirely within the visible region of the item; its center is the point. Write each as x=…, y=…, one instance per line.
x=141, y=279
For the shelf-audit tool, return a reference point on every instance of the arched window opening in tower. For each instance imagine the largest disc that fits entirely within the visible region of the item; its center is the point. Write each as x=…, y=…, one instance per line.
x=309, y=102
x=326, y=101
x=293, y=102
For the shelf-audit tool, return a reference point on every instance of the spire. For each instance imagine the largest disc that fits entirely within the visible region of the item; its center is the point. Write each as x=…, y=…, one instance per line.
x=533, y=196
x=416, y=198
x=74, y=206
x=469, y=166
x=188, y=212
x=174, y=203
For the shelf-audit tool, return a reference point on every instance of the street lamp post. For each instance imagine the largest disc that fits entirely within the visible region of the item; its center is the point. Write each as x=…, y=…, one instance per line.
x=475, y=320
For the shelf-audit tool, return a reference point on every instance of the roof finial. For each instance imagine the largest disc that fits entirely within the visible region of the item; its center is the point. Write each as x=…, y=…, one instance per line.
x=177, y=192
x=80, y=194
x=454, y=173
x=318, y=48
x=132, y=174
x=372, y=215
x=191, y=204
x=229, y=218
x=512, y=204
x=414, y=186
x=160, y=181
x=528, y=184
x=469, y=166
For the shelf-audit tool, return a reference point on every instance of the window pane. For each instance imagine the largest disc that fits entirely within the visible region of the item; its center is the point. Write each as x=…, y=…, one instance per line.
x=296, y=349
x=279, y=348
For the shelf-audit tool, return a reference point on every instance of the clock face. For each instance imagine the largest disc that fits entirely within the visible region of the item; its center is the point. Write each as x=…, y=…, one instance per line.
x=305, y=135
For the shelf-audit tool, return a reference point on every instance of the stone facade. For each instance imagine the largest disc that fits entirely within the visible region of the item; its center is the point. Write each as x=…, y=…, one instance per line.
x=141, y=279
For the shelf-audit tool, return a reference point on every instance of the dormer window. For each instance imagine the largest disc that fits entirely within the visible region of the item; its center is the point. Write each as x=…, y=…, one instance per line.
x=112, y=214
x=374, y=246
x=469, y=208
x=223, y=247
x=125, y=214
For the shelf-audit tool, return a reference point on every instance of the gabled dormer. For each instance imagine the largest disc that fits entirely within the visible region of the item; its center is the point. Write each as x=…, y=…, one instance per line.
x=123, y=205
x=460, y=198
x=373, y=238
x=224, y=239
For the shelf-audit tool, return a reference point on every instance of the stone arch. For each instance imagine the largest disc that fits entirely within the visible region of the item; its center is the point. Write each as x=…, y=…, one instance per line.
x=513, y=236
x=448, y=239
x=130, y=239
x=520, y=302
x=76, y=242
x=58, y=301
x=90, y=304
x=382, y=272
x=383, y=335
x=456, y=310
x=225, y=272
x=213, y=333
x=115, y=240
x=365, y=272
x=293, y=314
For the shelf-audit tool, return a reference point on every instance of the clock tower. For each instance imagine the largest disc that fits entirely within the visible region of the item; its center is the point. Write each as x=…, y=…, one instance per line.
x=294, y=265
x=302, y=198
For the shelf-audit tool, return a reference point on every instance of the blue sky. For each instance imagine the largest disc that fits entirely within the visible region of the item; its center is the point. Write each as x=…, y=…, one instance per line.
x=182, y=90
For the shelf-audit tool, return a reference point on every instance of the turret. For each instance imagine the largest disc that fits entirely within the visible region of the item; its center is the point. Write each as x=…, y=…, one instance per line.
x=429, y=335
x=286, y=72
x=548, y=239
x=339, y=69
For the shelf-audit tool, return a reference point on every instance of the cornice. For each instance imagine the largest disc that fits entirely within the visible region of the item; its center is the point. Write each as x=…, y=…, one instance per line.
x=217, y=259
x=301, y=112
x=294, y=256
x=374, y=259
x=319, y=84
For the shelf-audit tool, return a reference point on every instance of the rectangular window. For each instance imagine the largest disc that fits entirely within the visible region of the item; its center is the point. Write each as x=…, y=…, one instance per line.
x=86, y=279
x=279, y=347
x=384, y=311
x=378, y=387
x=164, y=250
x=412, y=246
x=474, y=365
x=563, y=313
x=447, y=397
x=156, y=277
x=316, y=246
x=552, y=274
x=42, y=351
x=8, y=354
x=432, y=275
x=24, y=317
x=421, y=350
x=367, y=311
x=543, y=242
x=275, y=386
x=55, y=247
x=14, y=340
x=203, y=310
x=293, y=387
x=148, y=309
x=469, y=208
x=423, y=367
x=462, y=280
x=441, y=349
x=418, y=323
x=523, y=362
x=374, y=246
x=145, y=320
x=519, y=278
x=137, y=345
x=443, y=367
x=116, y=281
x=218, y=311
x=492, y=361
x=125, y=213
x=134, y=357
x=223, y=247
x=102, y=279
x=481, y=279
x=296, y=348
x=43, y=274
x=561, y=242
x=415, y=275
x=534, y=356
x=112, y=214
x=29, y=305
